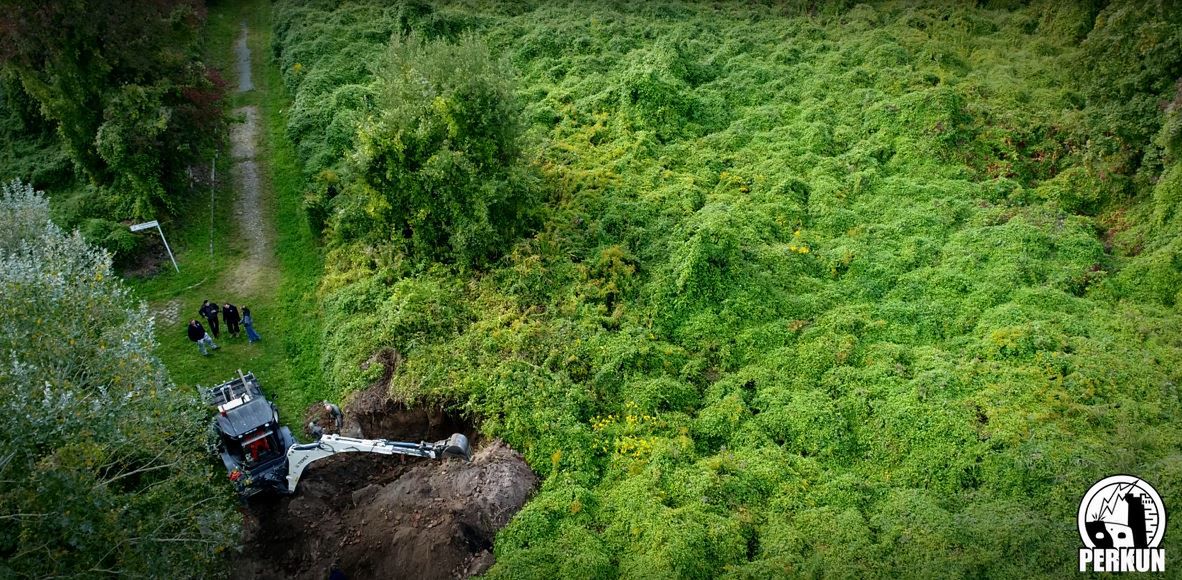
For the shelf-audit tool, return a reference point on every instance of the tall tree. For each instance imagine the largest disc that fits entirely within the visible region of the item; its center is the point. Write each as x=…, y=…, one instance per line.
x=123, y=82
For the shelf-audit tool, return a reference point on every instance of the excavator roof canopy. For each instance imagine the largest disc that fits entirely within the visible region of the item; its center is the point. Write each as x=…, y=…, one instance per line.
x=244, y=418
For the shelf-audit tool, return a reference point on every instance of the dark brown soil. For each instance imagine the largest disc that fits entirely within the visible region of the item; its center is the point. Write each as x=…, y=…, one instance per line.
x=377, y=516
x=375, y=416
x=148, y=260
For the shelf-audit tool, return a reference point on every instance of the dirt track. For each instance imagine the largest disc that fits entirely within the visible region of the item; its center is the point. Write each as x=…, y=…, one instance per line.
x=256, y=272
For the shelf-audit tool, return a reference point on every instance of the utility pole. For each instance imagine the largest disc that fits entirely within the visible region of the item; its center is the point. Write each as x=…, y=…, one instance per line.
x=213, y=186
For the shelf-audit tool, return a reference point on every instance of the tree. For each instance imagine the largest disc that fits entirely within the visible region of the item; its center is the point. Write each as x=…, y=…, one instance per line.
x=122, y=82
x=103, y=458
x=439, y=168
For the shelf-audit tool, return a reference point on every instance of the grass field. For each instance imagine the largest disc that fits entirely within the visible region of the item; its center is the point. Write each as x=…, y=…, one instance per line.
x=286, y=359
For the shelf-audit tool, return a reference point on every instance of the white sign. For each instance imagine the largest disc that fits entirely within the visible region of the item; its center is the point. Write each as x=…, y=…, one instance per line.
x=144, y=226
x=1122, y=520
x=156, y=224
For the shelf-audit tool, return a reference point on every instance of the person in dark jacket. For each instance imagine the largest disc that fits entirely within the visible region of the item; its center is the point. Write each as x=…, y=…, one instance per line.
x=248, y=323
x=209, y=310
x=197, y=335
x=230, y=315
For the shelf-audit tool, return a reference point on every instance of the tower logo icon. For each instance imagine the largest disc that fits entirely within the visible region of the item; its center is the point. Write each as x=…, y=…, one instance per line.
x=1122, y=521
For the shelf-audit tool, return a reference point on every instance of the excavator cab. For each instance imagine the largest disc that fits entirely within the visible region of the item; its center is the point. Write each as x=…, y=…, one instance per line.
x=258, y=446
x=251, y=442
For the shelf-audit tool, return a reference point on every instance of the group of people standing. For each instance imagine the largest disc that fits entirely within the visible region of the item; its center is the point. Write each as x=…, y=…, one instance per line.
x=235, y=323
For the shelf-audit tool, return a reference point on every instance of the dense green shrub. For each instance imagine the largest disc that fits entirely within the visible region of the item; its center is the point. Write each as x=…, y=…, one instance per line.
x=112, y=236
x=127, y=95
x=30, y=150
x=1134, y=61
x=438, y=166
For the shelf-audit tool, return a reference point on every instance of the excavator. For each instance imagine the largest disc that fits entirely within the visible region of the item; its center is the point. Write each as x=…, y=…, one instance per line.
x=261, y=455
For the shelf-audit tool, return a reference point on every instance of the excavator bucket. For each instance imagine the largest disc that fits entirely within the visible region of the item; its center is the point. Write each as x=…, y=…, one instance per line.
x=457, y=446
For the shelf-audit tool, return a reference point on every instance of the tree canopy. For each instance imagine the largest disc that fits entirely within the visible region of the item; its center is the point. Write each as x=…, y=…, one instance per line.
x=438, y=164
x=124, y=87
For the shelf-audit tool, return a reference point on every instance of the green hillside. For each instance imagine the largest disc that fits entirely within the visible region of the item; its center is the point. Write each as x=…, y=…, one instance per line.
x=762, y=289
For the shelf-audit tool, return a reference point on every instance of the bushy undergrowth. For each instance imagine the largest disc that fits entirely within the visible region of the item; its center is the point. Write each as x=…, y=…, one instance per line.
x=438, y=167
x=865, y=291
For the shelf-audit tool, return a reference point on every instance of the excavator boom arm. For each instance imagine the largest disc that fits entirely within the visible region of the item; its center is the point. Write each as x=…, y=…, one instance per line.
x=299, y=456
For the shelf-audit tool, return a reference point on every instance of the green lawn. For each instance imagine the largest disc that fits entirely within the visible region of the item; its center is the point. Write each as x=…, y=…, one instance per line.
x=287, y=359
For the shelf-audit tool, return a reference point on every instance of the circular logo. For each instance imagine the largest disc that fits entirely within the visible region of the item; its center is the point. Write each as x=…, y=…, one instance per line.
x=1122, y=511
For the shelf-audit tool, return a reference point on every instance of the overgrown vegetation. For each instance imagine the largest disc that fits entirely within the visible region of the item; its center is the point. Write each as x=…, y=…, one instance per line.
x=108, y=105
x=870, y=290
x=104, y=460
x=438, y=165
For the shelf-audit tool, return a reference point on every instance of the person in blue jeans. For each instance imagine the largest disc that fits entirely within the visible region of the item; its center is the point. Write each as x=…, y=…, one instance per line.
x=197, y=335
x=248, y=324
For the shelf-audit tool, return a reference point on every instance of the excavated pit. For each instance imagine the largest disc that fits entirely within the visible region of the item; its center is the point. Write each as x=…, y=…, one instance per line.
x=377, y=516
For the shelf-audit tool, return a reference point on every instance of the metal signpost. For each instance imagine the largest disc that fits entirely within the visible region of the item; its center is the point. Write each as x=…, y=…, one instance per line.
x=156, y=224
x=213, y=179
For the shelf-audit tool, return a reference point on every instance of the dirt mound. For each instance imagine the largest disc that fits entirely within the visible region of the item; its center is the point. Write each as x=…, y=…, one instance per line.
x=378, y=517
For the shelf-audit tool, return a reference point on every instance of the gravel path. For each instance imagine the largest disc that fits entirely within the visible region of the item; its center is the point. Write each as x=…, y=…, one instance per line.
x=256, y=273
x=242, y=51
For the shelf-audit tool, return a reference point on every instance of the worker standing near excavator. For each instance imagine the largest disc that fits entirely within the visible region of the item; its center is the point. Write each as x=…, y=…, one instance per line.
x=335, y=412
